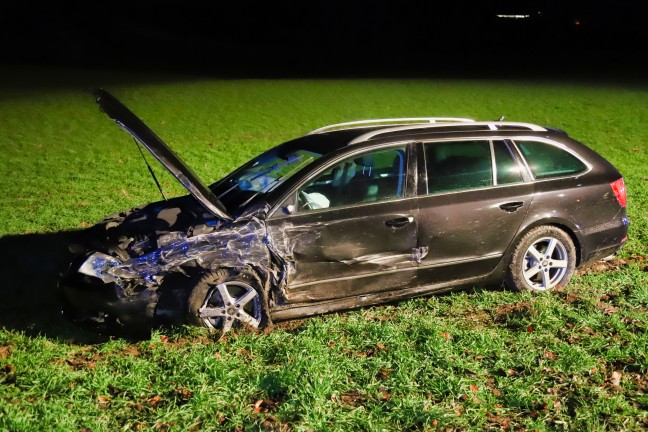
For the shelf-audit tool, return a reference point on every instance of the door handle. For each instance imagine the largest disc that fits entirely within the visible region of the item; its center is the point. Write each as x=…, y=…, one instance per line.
x=399, y=222
x=511, y=206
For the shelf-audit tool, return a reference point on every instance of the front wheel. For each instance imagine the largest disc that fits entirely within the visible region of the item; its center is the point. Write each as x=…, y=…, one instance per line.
x=224, y=299
x=543, y=259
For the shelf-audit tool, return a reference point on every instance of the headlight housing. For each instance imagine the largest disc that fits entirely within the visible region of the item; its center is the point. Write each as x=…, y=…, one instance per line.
x=98, y=264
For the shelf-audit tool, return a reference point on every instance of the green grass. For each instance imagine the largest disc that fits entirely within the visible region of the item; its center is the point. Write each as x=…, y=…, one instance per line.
x=574, y=359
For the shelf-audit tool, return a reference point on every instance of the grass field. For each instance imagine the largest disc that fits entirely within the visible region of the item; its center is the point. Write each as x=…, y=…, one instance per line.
x=573, y=359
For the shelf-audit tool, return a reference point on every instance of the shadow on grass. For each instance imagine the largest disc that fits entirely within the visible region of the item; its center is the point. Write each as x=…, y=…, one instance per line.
x=30, y=265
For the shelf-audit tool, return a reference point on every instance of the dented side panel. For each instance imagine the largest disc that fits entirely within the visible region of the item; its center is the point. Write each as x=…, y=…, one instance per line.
x=348, y=251
x=468, y=232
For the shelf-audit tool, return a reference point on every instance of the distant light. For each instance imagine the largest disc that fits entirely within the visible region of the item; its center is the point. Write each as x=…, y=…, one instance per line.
x=513, y=16
x=577, y=22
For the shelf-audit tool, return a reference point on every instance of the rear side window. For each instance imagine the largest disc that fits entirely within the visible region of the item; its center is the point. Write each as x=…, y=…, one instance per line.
x=546, y=160
x=458, y=165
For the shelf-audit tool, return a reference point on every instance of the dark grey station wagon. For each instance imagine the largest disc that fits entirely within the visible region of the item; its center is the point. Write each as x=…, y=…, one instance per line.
x=352, y=214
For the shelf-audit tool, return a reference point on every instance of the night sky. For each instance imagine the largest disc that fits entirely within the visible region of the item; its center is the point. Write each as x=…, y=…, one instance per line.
x=309, y=38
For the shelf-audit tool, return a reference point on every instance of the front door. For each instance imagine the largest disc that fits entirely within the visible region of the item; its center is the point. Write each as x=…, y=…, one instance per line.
x=354, y=228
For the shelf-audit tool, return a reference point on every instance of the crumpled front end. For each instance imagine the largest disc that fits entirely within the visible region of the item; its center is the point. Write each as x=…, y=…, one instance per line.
x=136, y=280
x=110, y=307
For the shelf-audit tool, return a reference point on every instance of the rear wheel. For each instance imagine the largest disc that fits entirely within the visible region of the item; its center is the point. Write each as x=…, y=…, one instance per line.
x=543, y=259
x=225, y=299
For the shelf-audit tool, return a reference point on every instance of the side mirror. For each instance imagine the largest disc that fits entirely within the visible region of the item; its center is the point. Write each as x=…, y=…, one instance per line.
x=289, y=209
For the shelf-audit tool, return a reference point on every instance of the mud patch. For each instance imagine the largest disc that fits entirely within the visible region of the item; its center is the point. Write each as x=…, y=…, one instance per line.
x=351, y=398
x=516, y=316
x=571, y=296
x=479, y=318
x=615, y=264
x=289, y=326
x=5, y=351
x=7, y=374
x=518, y=310
x=132, y=351
x=272, y=423
x=81, y=360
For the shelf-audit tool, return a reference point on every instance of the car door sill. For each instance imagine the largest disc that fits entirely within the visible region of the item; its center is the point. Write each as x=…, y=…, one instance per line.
x=298, y=310
x=459, y=261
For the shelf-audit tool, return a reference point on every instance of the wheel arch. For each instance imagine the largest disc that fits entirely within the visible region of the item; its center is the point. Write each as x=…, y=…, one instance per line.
x=561, y=224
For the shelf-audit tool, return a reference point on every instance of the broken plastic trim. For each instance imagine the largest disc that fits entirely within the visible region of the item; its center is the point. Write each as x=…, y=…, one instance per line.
x=236, y=245
x=98, y=265
x=243, y=243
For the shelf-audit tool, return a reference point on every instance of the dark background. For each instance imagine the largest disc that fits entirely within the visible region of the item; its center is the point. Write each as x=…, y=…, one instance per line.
x=332, y=38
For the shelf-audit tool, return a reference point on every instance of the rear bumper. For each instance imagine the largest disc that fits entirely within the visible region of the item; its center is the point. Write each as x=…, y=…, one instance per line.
x=603, y=240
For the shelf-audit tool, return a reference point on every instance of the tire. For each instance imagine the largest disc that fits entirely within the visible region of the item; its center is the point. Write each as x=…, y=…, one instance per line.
x=543, y=259
x=225, y=299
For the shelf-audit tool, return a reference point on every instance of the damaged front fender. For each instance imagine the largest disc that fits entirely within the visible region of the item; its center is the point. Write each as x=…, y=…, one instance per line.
x=111, y=287
x=234, y=245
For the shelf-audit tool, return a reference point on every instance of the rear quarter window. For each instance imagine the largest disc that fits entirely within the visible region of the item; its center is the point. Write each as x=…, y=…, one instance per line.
x=547, y=160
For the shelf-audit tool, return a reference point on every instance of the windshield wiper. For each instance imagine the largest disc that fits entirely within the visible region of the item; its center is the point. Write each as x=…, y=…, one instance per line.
x=265, y=189
x=228, y=190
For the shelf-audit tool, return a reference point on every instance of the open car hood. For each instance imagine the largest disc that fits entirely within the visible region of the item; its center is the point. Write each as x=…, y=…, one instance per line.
x=143, y=134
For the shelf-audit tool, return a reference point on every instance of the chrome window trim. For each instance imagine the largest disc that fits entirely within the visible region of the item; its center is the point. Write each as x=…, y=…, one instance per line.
x=493, y=164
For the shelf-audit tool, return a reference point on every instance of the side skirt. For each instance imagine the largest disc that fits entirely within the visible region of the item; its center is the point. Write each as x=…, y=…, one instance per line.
x=300, y=310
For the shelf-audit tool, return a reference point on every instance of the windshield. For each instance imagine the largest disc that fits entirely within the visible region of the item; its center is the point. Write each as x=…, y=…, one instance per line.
x=261, y=175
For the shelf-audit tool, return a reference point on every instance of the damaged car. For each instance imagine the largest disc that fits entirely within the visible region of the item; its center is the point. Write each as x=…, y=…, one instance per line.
x=349, y=215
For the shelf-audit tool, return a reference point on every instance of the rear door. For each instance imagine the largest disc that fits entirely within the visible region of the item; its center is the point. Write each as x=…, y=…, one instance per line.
x=473, y=198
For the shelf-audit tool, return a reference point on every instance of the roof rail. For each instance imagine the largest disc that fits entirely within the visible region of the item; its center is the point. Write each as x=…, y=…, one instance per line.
x=494, y=126
x=395, y=121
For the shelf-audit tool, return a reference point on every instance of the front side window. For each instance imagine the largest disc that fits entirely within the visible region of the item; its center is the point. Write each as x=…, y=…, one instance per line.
x=365, y=178
x=458, y=165
x=546, y=160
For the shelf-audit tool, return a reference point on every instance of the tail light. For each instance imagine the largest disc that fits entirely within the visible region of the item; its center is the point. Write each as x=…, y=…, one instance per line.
x=619, y=191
